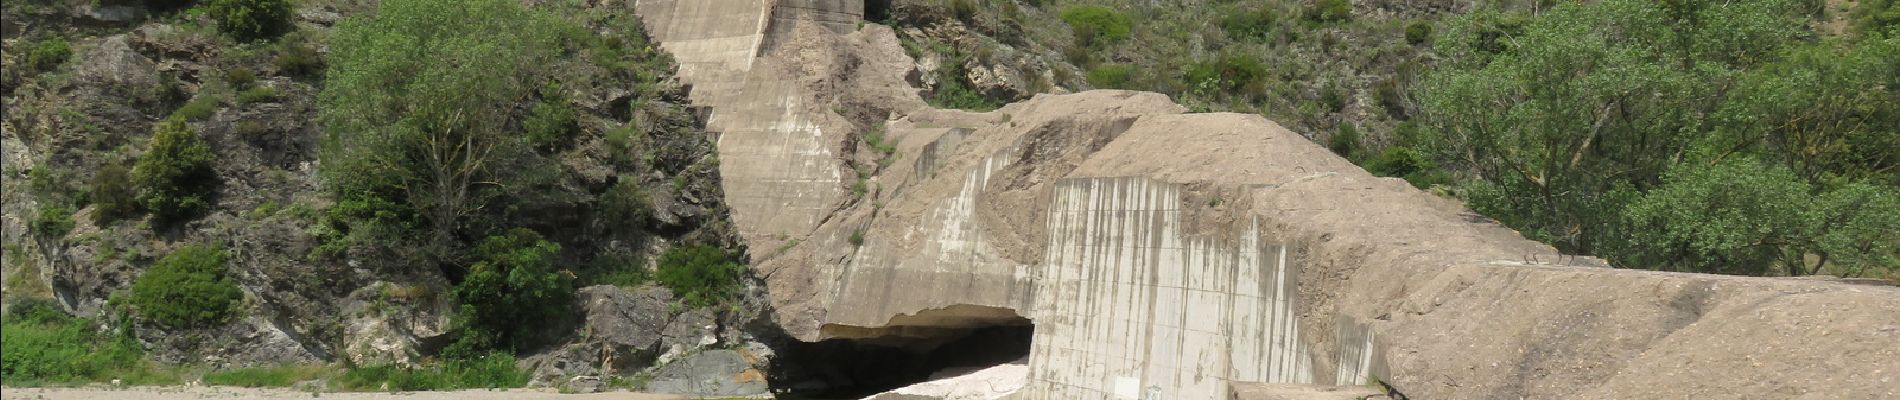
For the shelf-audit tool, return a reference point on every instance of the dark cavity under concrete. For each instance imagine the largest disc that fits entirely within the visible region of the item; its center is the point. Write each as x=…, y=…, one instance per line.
x=855, y=368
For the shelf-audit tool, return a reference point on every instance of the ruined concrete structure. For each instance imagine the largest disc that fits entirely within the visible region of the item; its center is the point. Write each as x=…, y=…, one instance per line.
x=1166, y=255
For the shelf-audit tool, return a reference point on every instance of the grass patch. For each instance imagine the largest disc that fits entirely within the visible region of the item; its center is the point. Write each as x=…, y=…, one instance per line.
x=494, y=371
x=272, y=376
x=41, y=345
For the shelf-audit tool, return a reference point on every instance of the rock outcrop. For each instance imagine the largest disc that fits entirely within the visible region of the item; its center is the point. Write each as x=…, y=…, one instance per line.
x=1162, y=254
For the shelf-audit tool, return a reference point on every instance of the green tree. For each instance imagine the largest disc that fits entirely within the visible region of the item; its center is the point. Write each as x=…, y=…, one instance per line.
x=174, y=177
x=418, y=103
x=1829, y=111
x=1553, y=114
x=510, y=294
x=248, y=20
x=188, y=288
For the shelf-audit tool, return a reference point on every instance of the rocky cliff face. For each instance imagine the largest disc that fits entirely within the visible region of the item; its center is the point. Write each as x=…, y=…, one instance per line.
x=307, y=298
x=1161, y=254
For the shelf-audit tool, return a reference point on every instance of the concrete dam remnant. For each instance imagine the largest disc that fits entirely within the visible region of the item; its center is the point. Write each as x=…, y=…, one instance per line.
x=1165, y=255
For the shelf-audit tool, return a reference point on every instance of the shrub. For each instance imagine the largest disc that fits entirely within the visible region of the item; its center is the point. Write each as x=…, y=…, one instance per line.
x=39, y=344
x=1112, y=76
x=551, y=124
x=856, y=239
x=1417, y=32
x=188, y=288
x=703, y=275
x=248, y=20
x=1345, y=143
x=174, y=177
x=53, y=221
x=1255, y=24
x=1096, y=26
x=1329, y=10
x=491, y=371
x=625, y=204
x=113, y=197
x=510, y=294
x=1229, y=73
x=295, y=58
x=259, y=94
x=1407, y=163
x=240, y=78
x=47, y=53
x=198, y=108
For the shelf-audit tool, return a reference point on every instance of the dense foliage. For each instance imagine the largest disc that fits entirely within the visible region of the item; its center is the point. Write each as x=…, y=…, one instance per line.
x=1096, y=26
x=248, y=20
x=113, y=196
x=1697, y=136
x=703, y=275
x=486, y=372
x=425, y=139
x=39, y=344
x=174, y=177
x=188, y=288
x=511, y=293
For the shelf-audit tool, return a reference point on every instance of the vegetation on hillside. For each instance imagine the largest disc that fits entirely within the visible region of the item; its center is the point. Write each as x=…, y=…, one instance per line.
x=1622, y=129
x=491, y=155
x=1692, y=136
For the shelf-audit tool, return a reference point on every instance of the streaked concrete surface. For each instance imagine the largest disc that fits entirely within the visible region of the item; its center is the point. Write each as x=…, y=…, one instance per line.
x=1164, y=255
x=1132, y=308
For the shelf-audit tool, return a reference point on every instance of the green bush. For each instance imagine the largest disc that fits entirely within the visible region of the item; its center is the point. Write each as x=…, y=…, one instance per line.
x=297, y=59
x=1112, y=76
x=261, y=94
x=47, y=53
x=1329, y=10
x=1405, y=162
x=1231, y=73
x=1417, y=32
x=510, y=295
x=492, y=371
x=248, y=20
x=1097, y=26
x=703, y=275
x=551, y=124
x=1255, y=24
x=1345, y=143
x=188, y=288
x=113, y=197
x=626, y=204
x=39, y=344
x=198, y=109
x=1874, y=16
x=240, y=78
x=174, y=177
x=53, y=220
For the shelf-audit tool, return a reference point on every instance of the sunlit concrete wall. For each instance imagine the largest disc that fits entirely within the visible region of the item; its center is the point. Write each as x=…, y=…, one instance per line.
x=790, y=177
x=1129, y=307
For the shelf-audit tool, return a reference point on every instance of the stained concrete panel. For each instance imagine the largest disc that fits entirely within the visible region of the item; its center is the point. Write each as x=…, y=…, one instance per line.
x=1142, y=303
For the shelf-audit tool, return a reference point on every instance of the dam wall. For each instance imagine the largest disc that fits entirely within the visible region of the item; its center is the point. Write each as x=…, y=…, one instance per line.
x=1167, y=255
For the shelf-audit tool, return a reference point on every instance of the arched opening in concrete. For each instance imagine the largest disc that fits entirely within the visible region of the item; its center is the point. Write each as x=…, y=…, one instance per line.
x=878, y=11
x=858, y=361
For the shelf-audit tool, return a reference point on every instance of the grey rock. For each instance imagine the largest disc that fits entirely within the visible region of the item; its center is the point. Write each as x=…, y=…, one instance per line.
x=114, y=61
x=110, y=14
x=709, y=373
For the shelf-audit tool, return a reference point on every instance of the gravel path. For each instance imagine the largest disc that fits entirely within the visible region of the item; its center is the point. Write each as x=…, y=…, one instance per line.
x=199, y=393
